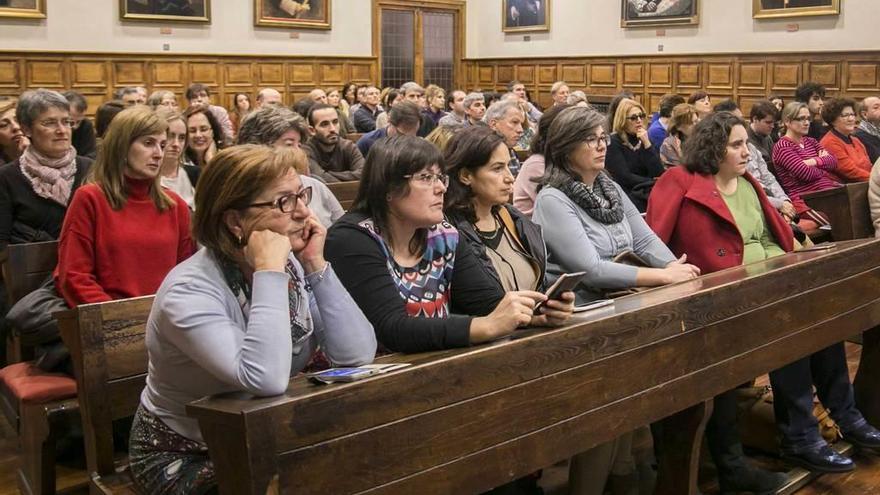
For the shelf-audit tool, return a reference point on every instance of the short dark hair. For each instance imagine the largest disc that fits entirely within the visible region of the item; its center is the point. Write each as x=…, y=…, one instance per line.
x=303, y=106
x=104, y=115
x=544, y=122
x=469, y=149
x=762, y=109
x=806, y=90
x=834, y=107
x=697, y=96
x=194, y=89
x=77, y=100
x=405, y=113
x=707, y=147
x=725, y=105
x=314, y=108
x=450, y=97
x=668, y=102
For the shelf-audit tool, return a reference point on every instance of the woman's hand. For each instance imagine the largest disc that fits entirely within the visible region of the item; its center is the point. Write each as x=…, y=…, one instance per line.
x=312, y=255
x=679, y=271
x=642, y=134
x=211, y=151
x=555, y=312
x=267, y=250
x=515, y=309
x=787, y=210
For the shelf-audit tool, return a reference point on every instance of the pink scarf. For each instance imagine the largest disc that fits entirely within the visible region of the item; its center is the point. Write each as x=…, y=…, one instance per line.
x=51, y=178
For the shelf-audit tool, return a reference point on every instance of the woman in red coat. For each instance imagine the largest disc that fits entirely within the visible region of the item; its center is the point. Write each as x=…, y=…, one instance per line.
x=717, y=214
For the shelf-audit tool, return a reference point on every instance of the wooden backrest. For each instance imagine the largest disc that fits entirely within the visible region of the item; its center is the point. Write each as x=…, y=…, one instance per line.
x=107, y=346
x=847, y=208
x=26, y=266
x=345, y=192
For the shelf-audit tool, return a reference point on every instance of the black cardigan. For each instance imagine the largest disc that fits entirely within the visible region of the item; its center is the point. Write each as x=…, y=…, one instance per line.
x=361, y=265
x=635, y=171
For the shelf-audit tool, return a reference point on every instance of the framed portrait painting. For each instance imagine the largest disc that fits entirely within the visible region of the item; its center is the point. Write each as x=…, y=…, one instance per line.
x=638, y=13
x=524, y=16
x=301, y=14
x=165, y=10
x=768, y=9
x=23, y=9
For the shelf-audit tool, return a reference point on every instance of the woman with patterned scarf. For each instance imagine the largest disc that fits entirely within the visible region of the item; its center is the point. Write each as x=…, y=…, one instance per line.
x=35, y=189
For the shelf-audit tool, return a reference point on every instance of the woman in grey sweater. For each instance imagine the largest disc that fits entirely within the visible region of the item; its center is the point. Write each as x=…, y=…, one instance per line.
x=251, y=309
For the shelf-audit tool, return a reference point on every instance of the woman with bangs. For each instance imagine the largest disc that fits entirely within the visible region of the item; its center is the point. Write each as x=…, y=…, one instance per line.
x=630, y=160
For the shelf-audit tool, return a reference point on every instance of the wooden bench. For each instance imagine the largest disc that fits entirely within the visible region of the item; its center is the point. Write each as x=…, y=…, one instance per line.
x=466, y=420
x=345, y=192
x=847, y=209
x=25, y=267
x=108, y=349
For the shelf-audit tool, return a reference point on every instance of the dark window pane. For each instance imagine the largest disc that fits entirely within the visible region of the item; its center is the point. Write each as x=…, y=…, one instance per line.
x=439, y=43
x=398, y=57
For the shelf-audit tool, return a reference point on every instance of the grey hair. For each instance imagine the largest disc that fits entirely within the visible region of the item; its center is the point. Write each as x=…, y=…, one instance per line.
x=156, y=98
x=557, y=86
x=576, y=97
x=128, y=90
x=472, y=98
x=499, y=109
x=266, y=125
x=510, y=96
x=569, y=129
x=33, y=103
x=412, y=86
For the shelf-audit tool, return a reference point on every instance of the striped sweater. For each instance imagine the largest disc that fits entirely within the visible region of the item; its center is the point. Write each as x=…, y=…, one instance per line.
x=797, y=177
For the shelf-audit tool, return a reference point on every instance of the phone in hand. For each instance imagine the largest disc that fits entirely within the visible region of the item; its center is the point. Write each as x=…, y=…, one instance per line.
x=565, y=283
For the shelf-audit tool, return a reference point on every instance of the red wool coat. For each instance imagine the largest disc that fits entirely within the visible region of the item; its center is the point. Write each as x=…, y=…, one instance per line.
x=688, y=213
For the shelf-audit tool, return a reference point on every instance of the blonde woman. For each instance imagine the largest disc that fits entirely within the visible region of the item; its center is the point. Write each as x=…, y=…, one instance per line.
x=631, y=160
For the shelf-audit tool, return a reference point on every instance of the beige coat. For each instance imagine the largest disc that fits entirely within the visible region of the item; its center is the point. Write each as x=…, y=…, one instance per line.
x=874, y=197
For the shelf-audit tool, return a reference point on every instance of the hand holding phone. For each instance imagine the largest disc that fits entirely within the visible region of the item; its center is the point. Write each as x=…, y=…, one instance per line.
x=564, y=283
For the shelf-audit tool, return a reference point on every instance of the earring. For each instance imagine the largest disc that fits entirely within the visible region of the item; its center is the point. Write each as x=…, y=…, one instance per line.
x=239, y=240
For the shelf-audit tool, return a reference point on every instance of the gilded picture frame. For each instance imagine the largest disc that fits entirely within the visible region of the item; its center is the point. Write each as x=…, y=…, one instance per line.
x=525, y=16
x=185, y=11
x=24, y=9
x=651, y=13
x=774, y=9
x=299, y=14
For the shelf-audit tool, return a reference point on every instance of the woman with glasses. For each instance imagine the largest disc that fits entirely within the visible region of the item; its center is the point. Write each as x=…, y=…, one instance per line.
x=123, y=231
x=244, y=314
x=631, y=160
x=853, y=164
x=163, y=99
x=36, y=188
x=406, y=266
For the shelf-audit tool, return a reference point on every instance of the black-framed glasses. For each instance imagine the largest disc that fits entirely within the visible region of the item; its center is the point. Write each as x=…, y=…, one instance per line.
x=594, y=140
x=287, y=203
x=637, y=116
x=428, y=180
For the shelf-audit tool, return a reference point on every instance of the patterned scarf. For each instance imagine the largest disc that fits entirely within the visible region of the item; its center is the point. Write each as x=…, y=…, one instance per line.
x=51, y=178
x=601, y=201
x=870, y=128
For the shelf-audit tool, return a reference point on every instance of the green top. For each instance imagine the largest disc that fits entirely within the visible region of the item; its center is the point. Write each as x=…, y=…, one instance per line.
x=745, y=207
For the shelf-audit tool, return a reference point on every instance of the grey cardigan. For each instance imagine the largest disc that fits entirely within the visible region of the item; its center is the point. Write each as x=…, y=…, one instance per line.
x=578, y=243
x=202, y=342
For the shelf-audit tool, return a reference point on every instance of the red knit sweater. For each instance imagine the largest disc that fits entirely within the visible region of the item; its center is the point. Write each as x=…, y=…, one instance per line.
x=106, y=254
x=853, y=164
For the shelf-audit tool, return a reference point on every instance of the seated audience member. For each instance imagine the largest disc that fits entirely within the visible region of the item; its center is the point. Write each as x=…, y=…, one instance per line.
x=365, y=117
x=389, y=98
x=525, y=187
x=174, y=174
x=204, y=136
x=506, y=118
x=681, y=125
x=630, y=160
x=874, y=197
x=199, y=95
x=268, y=97
x=718, y=214
x=302, y=106
x=418, y=284
x=658, y=131
x=701, y=102
x=341, y=106
x=802, y=164
x=613, y=104
x=241, y=106
x=359, y=98
x=519, y=89
x=123, y=232
x=281, y=127
x=762, y=123
x=559, y=93
x=13, y=142
x=812, y=94
x=491, y=97
x=441, y=135
x=853, y=164
x=83, y=137
x=318, y=95
x=413, y=92
x=474, y=108
x=456, y=115
x=578, y=98
x=104, y=115
x=869, y=126
x=245, y=313
x=525, y=138
x=779, y=103
x=36, y=187
x=436, y=99
x=331, y=158
x=142, y=91
x=349, y=93
x=131, y=96
x=404, y=118
x=163, y=99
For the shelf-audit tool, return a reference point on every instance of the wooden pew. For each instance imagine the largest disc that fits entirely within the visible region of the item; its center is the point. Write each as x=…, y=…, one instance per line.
x=847, y=209
x=345, y=192
x=108, y=349
x=464, y=421
x=25, y=267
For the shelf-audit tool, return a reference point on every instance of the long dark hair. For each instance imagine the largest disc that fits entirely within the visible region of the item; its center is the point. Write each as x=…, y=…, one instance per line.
x=216, y=130
x=469, y=149
x=389, y=161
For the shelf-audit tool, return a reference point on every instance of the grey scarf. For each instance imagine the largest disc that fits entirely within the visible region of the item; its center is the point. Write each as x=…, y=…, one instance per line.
x=602, y=201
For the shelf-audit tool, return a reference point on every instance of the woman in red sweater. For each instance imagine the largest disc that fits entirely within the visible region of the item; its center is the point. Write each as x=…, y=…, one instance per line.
x=123, y=232
x=853, y=164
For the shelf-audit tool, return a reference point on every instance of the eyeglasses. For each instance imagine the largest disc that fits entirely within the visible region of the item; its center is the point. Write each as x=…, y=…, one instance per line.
x=594, y=140
x=847, y=115
x=802, y=120
x=57, y=124
x=287, y=203
x=429, y=180
x=635, y=117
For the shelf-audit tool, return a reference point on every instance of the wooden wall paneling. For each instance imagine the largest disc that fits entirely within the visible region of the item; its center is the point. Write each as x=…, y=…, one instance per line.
x=301, y=73
x=825, y=73
x=752, y=75
x=651, y=102
x=88, y=74
x=525, y=74
x=238, y=74
x=506, y=73
x=486, y=76
x=207, y=73
x=270, y=74
x=46, y=73
x=331, y=74
x=362, y=72
x=173, y=75
x=134, y=73
x=660, y=75
x=633, y=75
x=574, y=74
x=859, y=75
x=747, y=101
x=689, y=75
x=547, y=74
x=603, y=75
x=10, y=74
x=785, y=76
x=719, y=75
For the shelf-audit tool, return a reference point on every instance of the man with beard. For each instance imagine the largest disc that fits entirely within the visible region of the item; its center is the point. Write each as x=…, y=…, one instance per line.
x=331, y=158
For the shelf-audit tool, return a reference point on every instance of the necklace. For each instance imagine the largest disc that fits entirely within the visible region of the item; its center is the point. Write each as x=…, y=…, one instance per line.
x=488, y=237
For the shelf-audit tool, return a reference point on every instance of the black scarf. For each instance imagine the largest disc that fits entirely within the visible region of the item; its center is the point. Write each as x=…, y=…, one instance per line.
x=602, y=202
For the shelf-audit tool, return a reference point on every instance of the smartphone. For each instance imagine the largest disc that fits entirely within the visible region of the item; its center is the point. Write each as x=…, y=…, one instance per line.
x=564, y=283
x=817, y=247
x=353, y=373
x=601, y=303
